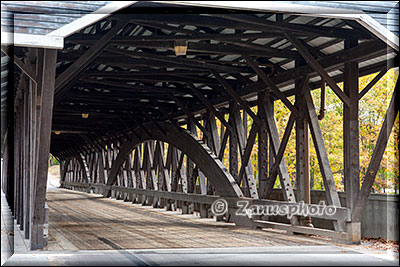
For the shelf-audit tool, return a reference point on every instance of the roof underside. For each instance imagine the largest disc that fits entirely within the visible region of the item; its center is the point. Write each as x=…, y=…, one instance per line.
x=138, y=77
x=384, y=12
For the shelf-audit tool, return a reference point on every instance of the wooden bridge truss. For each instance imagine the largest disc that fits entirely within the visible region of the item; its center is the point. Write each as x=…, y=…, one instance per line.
x=151, y=133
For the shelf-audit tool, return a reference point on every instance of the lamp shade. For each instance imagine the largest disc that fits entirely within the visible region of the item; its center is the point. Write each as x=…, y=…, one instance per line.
x=180, y=47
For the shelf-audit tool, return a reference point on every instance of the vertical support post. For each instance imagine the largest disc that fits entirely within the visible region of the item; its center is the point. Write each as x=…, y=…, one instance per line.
x=216, y=144
x=5, y=174
x=245, y=146
x=47, y=77
x=17, y=163
x=174, y=167
x=23, y=174
x=27, y=142
x=271, y=110
x=282, y=167
x=307, y=187
x=322, y=155
x=188, y=208
x=351, y=140
x=101, y=168
x=189, y=163
x=233, y=146
x=302, y=151
x=262, y=148
x=137, y=166
x=8, y=171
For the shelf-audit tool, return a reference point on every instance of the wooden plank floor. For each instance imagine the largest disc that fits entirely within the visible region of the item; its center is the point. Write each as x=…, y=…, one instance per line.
x=84, y=221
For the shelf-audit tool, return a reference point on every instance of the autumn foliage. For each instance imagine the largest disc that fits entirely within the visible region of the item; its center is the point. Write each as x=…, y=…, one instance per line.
x=372, y=109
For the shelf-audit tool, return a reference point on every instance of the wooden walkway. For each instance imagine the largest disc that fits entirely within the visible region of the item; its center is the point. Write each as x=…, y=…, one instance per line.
x=81, y=221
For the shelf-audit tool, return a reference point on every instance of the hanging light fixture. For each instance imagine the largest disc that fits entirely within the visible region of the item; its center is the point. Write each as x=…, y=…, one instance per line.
x=57, y=132
x=180, y=47
x=85, y=115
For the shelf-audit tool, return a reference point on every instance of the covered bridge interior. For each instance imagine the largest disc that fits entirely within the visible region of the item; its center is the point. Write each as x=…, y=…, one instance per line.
x=141, y=103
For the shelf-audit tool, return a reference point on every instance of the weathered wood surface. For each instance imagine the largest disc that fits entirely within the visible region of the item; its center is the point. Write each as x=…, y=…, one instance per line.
x=340, y=214
x=79, y=220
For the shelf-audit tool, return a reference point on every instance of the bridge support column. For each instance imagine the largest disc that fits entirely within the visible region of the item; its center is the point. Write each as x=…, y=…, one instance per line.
x=351, y=142
x=46, y=75
x=302, y=150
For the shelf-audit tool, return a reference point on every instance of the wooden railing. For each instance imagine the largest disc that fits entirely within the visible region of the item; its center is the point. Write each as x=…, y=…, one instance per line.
x=207, y=200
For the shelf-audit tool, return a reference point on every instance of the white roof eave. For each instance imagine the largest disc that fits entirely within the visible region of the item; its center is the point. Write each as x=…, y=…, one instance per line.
x=297, y=9
x=32, y=40
x=363, y=19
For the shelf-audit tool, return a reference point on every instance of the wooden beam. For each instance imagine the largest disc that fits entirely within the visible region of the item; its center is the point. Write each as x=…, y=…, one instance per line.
x=269, y=83
x=166, y=114
x=329, y=183
x=262, y=154
x=235, y=95
x=191, y=35
x=318, y=68
x=245, y=151
x=210, y=106
x=81, y=162
x=145, y=72
x=245, y=22
x=47, y=92
x=139, y=167
x=369, y=178
x=175, y=60
x=128, y=76
x=25, y=68
x=233, y=144
x=366, y=89
x=246, y=163
x=213, y=129
x=223, y=143
x=149, y=152
x=72, y=73
x=302, y=229
x=120, y=85
x=152, y=120
x=294, y=27
x=224, y=49
x=191, y=127
x=189, y=114
x=351, y=150
x=275, y=144
x=279, y=156
x=159, y=155
x=363, y=51
x=64, y=169
x=278, y=153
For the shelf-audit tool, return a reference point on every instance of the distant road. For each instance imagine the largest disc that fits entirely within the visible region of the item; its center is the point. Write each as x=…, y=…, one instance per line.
x=53, y=181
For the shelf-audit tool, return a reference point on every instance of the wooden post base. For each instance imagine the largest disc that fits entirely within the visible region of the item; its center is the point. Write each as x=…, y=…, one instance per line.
x=354, y=233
